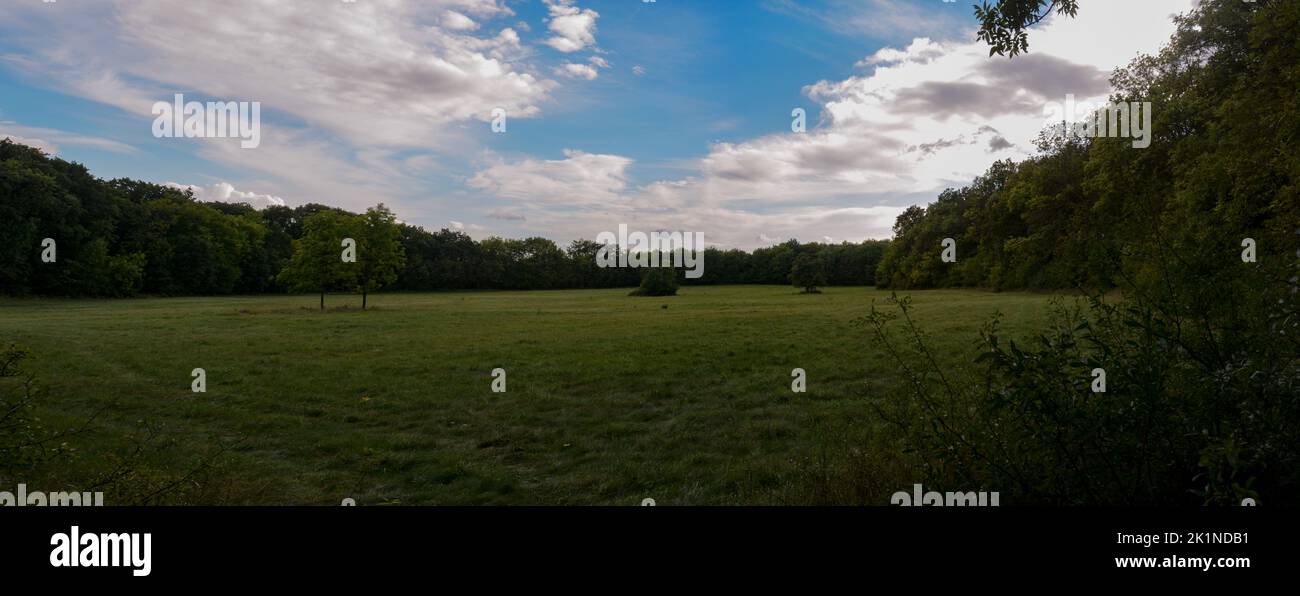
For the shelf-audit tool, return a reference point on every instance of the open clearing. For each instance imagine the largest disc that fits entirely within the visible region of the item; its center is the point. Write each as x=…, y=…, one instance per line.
x=610, y=398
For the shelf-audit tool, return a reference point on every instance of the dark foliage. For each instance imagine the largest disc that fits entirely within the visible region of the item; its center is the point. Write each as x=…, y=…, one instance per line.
x=126, y=237
x=657, y=281
x=1200, y=349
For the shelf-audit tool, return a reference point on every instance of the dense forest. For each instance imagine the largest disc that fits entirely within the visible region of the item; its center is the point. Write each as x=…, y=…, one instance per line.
x=127, y=237
x=1098, y=213
x=1177, y=380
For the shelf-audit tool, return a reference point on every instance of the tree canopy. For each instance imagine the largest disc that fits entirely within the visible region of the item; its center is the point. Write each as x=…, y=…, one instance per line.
x=317, y=264
x=808, y=272
x=1098, y=213
x=126, y=237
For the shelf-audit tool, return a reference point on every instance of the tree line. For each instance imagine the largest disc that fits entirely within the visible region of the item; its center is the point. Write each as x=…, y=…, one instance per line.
x=123, y=237
x=1097, y=213
x=1178, y=380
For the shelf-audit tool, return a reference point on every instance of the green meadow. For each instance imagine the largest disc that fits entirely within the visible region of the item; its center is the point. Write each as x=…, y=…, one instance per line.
x=609, y=399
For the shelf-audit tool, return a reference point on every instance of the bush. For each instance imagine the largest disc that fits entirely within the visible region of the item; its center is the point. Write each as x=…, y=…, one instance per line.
x=1187, y=417
x=657, y=281
x=23, y=441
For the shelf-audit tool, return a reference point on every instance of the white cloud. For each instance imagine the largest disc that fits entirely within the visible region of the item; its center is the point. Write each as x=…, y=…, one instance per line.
x=574, y=27
x=930, y=115
x=355, y=105
x=583, y=71
x=49, y=139
x=933, y=114
x=585, y=194
x=378, y=72
x=458, y=22
x=358, y=103
x=721, y=227
x=302, y=166
x=578, y=179
x=226, y=193
x=577, y=71
x=922, y=50
x=474, y=231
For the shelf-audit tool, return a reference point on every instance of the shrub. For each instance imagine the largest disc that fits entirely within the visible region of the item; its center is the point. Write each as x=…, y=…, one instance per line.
x=1180, y=422
x=657, y=281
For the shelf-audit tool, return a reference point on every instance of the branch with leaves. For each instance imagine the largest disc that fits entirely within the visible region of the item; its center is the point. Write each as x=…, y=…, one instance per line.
x=1003, y=24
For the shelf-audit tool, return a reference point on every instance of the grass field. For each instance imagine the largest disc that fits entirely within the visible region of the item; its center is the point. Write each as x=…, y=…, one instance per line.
x=610, y=398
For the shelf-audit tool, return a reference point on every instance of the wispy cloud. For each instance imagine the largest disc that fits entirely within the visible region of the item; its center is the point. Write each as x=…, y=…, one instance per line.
x=884, y=19
x=49, y=139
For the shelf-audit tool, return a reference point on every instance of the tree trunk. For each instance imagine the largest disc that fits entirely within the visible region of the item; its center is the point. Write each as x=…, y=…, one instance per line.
x=322, y=300
x=363, y=300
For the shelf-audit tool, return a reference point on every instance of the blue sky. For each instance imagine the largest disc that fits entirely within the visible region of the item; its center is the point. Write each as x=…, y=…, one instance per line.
x=670, y=114
x=713, y=71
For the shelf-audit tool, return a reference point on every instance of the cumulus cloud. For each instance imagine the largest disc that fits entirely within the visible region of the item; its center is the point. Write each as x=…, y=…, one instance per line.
x=346, y=100
x=456, y=21
x=474, y=231
x=578, y=179
x=379, y=72
x=929, y=115
x=583, y=71
x=584, y=194
x=574, y=28
x=985, y=135
x=932, y=114
x=921, y=50
x=225, y=192
x=577, y=71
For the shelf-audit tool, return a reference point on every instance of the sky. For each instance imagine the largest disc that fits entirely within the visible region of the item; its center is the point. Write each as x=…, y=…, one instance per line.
x=660, y=115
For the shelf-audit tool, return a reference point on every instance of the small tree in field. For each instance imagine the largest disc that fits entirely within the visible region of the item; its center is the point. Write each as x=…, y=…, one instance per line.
x=808, y=272
x=317, y=263
x=380, y=255
x=657, y=281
